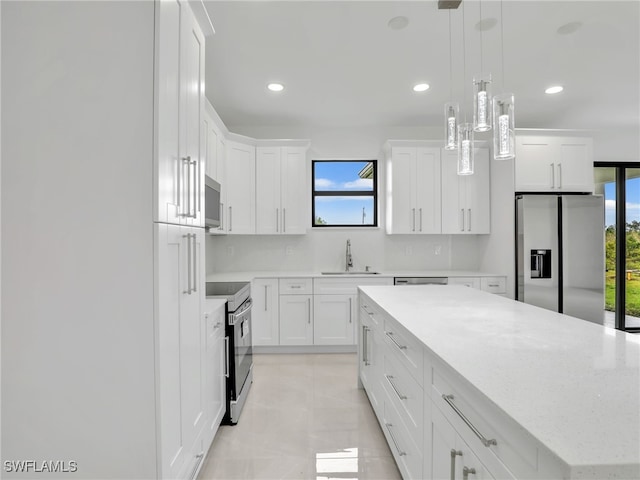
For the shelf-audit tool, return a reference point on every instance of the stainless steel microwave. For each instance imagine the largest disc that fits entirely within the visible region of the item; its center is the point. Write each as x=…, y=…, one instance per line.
x=212, y=207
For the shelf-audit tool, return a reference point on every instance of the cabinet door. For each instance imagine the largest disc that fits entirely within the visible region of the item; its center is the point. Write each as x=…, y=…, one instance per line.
x=453, y=214
x=333, y=319
x=477, y=195
x=179, y=295
x=574, y=169
x=428, y=204
x=268, y=188
x=401, y=200
x=296, y=320
x=240, y=171
x=265, y=314
x=295, y=215
x=214, y=374
x=535, y=164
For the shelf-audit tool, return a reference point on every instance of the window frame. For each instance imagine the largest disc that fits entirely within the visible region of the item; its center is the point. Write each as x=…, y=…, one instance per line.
x=373, y=193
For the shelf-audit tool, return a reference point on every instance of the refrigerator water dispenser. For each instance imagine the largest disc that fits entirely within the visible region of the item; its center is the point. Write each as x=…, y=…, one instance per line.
x=540, y=263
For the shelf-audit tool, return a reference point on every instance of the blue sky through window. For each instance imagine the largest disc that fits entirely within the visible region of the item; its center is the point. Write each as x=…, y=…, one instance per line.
x=633, y=201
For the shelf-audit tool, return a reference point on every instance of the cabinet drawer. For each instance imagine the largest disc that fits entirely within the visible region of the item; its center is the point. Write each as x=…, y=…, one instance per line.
x=406, y=347
x=346, y=286
x=408, y=456
x=507, y=443
x=296, y=286
x=407, y=396
x=370, y=310
x=494, y=284
x=472, y=282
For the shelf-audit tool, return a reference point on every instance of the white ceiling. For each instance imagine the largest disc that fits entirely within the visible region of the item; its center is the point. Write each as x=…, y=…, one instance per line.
x=342, y=66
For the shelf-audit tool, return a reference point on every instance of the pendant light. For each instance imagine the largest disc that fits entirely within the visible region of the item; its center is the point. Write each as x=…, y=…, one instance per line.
x=481, y=93
x=451, y=108
x=504, y=139
x=465, y=130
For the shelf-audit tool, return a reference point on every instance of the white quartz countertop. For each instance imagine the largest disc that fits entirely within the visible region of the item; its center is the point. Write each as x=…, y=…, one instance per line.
x=572, y=384
x=248, y=276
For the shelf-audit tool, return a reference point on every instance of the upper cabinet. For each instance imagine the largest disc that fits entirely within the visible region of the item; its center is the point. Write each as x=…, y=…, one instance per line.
x=281, y=190
x=240, y=185
x=466, y=198
x=215, y=151
x=413, y=188
x=553, y=164
x=179, y=172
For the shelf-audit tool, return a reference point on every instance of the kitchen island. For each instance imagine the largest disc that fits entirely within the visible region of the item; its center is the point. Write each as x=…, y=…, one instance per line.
x=467, y=384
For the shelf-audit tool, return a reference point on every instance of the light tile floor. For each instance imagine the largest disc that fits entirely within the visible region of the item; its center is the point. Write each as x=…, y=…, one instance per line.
x=304, y=418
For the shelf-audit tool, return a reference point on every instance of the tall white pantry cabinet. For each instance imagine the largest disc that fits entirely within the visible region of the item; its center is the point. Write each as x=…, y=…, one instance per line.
x=103, y=252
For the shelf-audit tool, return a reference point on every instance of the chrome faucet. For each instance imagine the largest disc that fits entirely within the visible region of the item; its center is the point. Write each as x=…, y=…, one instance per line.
x=348, y=259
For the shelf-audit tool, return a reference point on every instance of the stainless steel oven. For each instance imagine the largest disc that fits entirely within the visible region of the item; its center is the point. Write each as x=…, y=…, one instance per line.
x=238, y=345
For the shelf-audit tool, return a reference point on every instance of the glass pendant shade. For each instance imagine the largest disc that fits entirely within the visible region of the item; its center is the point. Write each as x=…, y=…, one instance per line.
x=451, y=111
x=482, y=102
x=504, y=140
x=465, y=149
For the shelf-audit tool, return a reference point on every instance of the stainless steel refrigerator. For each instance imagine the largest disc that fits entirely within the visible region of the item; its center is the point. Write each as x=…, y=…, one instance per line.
x=560, y=253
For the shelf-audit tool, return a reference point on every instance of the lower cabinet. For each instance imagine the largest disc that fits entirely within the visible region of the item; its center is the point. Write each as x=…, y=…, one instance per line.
x=296, y=320
x=265, y=316
x=214, y=369
x=334, y=319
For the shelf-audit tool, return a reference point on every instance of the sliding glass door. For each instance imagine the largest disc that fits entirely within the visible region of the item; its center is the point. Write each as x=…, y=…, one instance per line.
x=620, y=185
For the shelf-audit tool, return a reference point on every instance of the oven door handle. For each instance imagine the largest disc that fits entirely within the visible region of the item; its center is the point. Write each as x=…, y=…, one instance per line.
x=233, y=317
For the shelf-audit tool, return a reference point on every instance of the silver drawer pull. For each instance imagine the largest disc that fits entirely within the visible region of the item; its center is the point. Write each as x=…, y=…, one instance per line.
x=466, y=471
x=199, y=458
x=454, y=454
x=390, y=335
x=483, y=439
x=395, y=389
x=400, y=452
x=494, y=285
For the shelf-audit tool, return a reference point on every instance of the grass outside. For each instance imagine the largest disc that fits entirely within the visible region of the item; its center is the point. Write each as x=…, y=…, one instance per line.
x=633, y=294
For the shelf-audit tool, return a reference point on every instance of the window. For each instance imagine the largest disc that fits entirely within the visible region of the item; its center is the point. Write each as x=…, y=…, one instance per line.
x=345, y=193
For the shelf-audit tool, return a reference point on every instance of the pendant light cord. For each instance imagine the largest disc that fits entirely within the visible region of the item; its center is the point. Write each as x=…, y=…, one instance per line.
x=450, y=62
x=480, y=27
x=502, y=45
x=464, y=64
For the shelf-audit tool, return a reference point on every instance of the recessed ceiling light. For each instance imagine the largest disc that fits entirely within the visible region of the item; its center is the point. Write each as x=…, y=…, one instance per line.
x=569, y=28
x=421, y=87
x=398, y=23
x=275, y=87
x=554, y=89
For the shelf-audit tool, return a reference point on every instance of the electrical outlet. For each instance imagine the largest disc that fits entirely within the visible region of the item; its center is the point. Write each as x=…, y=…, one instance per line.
x=408, y=250
x=230, y=250
x=437, y=249
x=288, y=250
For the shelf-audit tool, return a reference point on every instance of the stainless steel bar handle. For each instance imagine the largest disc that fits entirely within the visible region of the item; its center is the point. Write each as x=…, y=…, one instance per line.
x=221, y=227
x=309, y=306
x=365, y=345
x=559, y=175
x=195, y=263
x=189, y=263
x=390, y=335
x=466, y=471
x=187, y=160
x=462, y=220
x=196, y=190
x=395, y=389
x=413, y=217
x=183, y=190
x=277, y=220
x=199, y=458
x=486, y=442
x=284, y=220
x=469, y=221
x=454, y=454
x=421, y=219
x=350, y=309
x=265, y=298
x=553, y=176
x=400, y=452
x=230, y=218
x=226, y=357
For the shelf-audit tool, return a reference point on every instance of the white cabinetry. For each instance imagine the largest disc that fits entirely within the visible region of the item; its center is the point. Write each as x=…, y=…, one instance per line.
x=281, y=173
x=296, y=311
x=180, y=164
x=265, y=317
x=334, y=317
x=180, y=287
x=215, y=151
x=466, y=198
x=413, y=189
x=240, y=185
x=553, y=164
x=473, y=282
x=214, y=369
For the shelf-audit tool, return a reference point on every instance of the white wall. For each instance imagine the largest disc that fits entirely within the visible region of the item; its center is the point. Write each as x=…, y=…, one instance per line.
x=324, y=249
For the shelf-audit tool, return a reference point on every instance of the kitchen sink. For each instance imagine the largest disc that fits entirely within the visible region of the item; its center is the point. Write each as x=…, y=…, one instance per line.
x=350, y=273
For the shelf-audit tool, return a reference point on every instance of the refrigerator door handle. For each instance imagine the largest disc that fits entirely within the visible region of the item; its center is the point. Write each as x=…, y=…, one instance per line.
x=553, y=176
x=559, y=175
